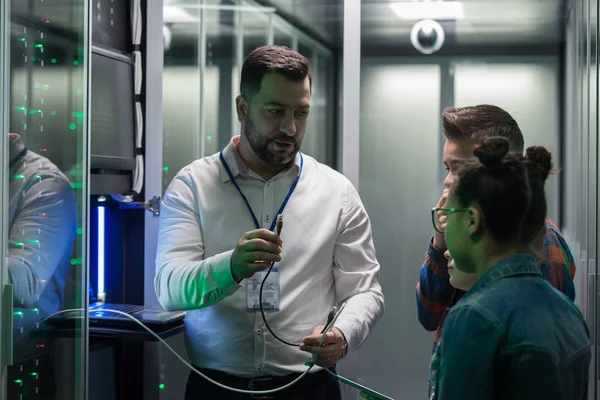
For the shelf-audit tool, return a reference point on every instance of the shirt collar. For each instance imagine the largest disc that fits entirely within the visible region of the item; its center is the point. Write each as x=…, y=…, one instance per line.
x=238, y=167
x=17, y=147
x=513, y=265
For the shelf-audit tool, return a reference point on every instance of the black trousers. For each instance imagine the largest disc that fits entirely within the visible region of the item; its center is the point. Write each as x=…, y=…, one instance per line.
x=314, y=386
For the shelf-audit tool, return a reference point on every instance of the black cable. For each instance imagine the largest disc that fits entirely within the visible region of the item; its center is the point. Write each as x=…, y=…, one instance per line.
x=263, y=313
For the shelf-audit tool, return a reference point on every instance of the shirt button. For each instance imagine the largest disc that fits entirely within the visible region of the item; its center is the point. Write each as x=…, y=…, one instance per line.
x=267, y=218
x=259, y=369
x=258, y=332
x=268, y=184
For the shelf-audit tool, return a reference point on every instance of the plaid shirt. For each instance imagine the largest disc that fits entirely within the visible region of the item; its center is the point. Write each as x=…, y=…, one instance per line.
x=435, y=295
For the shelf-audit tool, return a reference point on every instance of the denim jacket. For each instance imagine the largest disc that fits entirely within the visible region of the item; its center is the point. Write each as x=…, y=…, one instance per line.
x=512, y=336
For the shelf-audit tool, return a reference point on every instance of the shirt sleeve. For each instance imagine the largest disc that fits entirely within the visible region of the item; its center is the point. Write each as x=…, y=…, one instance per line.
x=557, y=263
x=41, y=234
x=470, y=339
x=434, y=293
x=185, y=279
x=356, y=272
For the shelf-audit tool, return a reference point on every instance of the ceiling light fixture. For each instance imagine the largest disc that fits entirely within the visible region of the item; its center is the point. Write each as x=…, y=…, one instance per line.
x=437, y=10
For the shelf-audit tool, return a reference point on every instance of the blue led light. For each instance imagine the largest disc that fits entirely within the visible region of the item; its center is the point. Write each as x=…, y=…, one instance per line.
x=101, y=249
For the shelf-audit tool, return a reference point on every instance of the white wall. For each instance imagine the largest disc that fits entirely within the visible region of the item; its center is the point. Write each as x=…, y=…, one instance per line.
x=399, y=163
x=528, y=89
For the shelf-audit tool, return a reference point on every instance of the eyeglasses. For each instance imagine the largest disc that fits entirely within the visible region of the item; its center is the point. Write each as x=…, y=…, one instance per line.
x=437, y=212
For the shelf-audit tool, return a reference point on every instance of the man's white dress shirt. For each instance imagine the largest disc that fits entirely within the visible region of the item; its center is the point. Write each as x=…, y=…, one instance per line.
x=327, y=257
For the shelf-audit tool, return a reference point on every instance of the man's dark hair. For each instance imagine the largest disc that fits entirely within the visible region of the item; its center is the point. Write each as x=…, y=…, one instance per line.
x=290, y=64
x=509, y=188
x=480, y=123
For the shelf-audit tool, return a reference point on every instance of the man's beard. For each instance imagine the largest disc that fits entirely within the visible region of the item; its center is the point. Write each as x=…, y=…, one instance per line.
x=260, y=145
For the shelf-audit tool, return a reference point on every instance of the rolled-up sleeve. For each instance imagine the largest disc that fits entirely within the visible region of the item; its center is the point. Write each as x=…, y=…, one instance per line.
x=184, y=279
x=356, y=272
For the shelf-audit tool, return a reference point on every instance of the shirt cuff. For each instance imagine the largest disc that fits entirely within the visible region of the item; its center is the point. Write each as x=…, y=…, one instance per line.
x=432, y=252
x=222, y=271
x=345, y=342
x=345, y=328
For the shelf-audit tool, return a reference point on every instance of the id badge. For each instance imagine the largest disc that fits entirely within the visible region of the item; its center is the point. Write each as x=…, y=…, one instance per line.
x=270, y=294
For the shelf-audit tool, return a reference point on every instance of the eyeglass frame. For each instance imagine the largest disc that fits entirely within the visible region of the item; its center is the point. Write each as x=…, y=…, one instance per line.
x=448, y=210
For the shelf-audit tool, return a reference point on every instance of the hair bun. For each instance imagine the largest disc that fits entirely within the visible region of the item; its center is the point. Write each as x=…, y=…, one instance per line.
x=492, y=152
x=541, y=158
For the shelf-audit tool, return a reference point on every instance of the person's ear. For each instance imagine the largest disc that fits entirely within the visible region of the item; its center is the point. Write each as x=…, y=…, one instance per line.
x=474, y=222
x=241, y=107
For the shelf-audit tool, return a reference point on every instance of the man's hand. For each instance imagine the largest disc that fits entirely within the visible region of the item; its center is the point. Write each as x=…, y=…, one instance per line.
x=330, y=352
x=439, y=242
x=255, y=252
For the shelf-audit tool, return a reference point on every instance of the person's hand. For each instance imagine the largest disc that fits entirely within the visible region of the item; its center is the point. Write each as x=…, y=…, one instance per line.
x=439, y=242
x=330, y=352
x=255, y=252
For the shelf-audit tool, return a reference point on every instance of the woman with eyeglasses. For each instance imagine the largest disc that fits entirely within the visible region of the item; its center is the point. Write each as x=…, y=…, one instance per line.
x=512, y=335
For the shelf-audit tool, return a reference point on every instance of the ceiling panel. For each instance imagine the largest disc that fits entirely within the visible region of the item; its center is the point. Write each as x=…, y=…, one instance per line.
x=489, y=21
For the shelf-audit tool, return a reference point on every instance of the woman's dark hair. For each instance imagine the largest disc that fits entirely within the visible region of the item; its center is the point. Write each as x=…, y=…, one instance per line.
x=509, y=189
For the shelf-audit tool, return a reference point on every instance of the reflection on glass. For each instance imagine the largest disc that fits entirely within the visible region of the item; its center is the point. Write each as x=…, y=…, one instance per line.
x=256, y=30
x=284, y=38
x=197, y=79
x=206, y=42
x=319, y=143
x=45, y=257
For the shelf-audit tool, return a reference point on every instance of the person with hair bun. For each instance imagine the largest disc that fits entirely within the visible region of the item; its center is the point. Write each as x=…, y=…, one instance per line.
x=512, y=335
x=440, y=285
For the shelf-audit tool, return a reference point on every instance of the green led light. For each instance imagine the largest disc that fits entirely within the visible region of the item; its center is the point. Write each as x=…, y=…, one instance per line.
x=77, y=185
x=37, y=85
x=53, y=112
x=31, y=112
x=19, y=244
x=34, y=241
x=79, y=231
x=38, y=45
x=19, y=176
x=21, y=108
x=18, y=381
x=72, y=126
x=21, y=39
x=165, y=168
x=35, y=310
x=34, y=374
x=76, y=62
x=18, y=313
x=79, y=114
x=33, y=58
x=53, y=61
x=209, y=138
x=161, y=386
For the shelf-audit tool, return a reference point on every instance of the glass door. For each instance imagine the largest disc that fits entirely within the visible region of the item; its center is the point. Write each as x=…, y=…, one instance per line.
x=45, y=196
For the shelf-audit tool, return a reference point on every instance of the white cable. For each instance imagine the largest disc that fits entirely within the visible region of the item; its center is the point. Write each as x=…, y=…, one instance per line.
x=138, y=179
x=253, y=392
x=122, y=198
x=137, y=61
x=138, y=174
x=139, y=125
x=136, y=22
